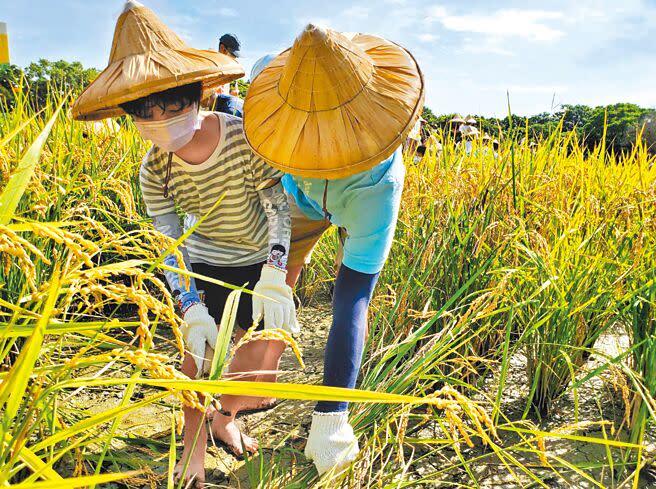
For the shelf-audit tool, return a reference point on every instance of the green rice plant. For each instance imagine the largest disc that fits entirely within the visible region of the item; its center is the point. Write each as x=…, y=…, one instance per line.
x=532, y=251
x=641, y=312
x=492, y=259
x=85, y=314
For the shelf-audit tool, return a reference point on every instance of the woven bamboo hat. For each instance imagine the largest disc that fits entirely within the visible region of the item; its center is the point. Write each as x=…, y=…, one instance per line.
x=148, y=57
x=334, y=104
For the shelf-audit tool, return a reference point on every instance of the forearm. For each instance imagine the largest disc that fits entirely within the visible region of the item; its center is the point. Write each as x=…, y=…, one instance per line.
x=169, y=225
x=275, y=204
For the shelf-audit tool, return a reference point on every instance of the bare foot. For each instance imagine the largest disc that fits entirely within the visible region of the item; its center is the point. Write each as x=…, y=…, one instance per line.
x=225, y=429
x=248, y=406
x=195, y=474
x=257, y=404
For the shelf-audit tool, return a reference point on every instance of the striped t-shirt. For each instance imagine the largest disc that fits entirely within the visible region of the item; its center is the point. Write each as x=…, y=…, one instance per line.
x=236, y=232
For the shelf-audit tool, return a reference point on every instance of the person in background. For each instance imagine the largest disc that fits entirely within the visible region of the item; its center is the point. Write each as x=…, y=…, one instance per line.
x=227, y=103
x=415, y=140
x=230, y=45
x=454, y=127
x=226, y=97
x=468, y=134
x=495, y=148
x=337, y=133
x=419, y=154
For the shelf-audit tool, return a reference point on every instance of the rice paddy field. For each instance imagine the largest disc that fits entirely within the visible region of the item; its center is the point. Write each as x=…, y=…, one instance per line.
x=512, y=334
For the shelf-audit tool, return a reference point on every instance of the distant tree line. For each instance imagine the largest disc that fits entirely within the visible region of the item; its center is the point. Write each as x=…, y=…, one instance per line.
x=39, y=78
x=623, y=121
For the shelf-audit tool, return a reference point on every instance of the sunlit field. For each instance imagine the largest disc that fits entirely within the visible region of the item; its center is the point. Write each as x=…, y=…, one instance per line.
x=512, y=334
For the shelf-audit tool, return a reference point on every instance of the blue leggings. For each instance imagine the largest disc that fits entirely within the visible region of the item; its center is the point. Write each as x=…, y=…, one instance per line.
x=345, y=344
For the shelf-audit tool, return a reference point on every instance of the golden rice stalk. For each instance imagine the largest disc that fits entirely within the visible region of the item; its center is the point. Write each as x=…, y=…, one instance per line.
x=268, y=334
x=455, y=405
x=100, y=285
x=542, y=450
x=153, y=363
x=13, y=245
x=165, y=243
x=389, y=299
x=124, y=192
x=80, y=247
x=617, y=379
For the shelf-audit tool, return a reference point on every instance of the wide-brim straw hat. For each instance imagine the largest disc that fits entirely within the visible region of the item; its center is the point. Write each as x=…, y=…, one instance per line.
x=469, y=131
x=333, y=104
x=458, y=120
x=148, y=57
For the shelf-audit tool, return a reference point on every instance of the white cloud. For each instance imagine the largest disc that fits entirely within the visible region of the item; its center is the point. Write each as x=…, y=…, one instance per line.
x=228, y=12
x=486, y=45
x=317, y=21
x=437, y=12
x=527, y=24
x=356, y=12
x=427, y=37
x=535, y=89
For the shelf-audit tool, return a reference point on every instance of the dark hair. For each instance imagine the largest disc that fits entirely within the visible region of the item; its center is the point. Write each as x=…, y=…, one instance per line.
x=231, y=44
x=176, y=99
x=278, y=247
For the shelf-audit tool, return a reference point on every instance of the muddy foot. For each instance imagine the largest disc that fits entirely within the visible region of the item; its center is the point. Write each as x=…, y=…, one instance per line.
x=194, y=477
x=225, y=429
x=257, y=404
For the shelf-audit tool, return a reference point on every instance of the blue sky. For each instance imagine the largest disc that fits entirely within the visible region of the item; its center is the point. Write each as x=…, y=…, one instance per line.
x=543, y=53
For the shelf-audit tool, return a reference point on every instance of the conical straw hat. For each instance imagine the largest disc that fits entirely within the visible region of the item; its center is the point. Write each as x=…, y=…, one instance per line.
x=148, y=57
x=334, y=104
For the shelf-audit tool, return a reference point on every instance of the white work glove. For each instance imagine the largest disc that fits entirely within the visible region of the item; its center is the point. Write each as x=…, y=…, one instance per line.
x=199, y=331
x=331, y=441
x=279, y=314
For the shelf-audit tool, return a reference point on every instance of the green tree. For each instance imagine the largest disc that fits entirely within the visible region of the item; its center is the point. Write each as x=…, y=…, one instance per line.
x=622, y=125
x=648, y=122
x=60, y=75
x=574, y=117
x=242, y=86
x=10, y=76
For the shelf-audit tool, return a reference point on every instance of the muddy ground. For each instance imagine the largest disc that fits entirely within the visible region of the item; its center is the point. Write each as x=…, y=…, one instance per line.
x=282, y=430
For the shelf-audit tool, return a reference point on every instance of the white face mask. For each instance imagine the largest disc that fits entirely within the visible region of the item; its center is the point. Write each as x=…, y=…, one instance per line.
x=171, y=134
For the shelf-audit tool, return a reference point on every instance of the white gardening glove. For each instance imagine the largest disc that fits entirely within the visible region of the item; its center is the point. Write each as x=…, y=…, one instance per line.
x=199, y=331
x=331, y=441
x=279, y=314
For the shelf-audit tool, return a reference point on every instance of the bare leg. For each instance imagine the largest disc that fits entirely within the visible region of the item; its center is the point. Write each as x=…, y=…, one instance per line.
x=259, y=355
x=194, y=419
x=293, y=272
x=224, y=426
